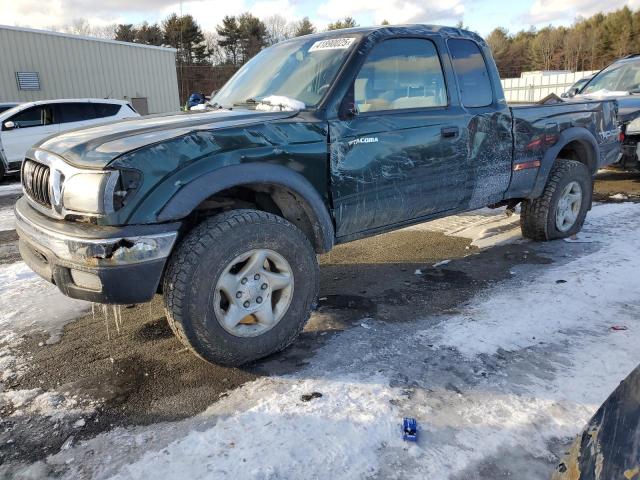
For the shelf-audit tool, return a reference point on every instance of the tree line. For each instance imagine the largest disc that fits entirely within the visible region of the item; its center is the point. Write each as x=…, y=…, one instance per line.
x=234, y=41
x=589, y=44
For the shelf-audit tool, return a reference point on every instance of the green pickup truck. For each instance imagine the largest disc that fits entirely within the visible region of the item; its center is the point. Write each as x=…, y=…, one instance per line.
x=316, y=141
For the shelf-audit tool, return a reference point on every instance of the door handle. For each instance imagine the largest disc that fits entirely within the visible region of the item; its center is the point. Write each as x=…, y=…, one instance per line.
x=449, y=132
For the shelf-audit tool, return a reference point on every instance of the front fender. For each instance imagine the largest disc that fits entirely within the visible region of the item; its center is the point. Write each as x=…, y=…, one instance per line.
x=189, y=196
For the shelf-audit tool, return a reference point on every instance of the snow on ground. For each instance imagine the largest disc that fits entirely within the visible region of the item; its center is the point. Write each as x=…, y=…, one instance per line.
x=7, y=219
x=485, y=227
x=30, y=304
x=10, y=188
x=499, y=387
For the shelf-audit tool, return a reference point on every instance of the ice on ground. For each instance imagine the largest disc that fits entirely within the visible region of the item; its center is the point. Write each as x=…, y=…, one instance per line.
x=500, y=386
x=7, y=219
x=485, y=227
x=30, y=304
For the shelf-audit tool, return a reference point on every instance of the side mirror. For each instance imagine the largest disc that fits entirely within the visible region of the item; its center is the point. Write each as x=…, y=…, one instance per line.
x=351, y=110
x=572, y=92
x=8, y=125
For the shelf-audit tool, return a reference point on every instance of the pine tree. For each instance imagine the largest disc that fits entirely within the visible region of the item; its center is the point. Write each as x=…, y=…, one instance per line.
x=304, y=27
x=346, y=22
x=185, y=35
x=125, y=33
x=253, y=35
x=229, y=41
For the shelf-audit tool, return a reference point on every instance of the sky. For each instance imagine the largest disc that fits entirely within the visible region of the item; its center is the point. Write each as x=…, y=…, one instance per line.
x=481, y=16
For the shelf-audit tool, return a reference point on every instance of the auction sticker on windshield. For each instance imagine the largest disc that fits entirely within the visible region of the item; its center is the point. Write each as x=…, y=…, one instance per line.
x=332, y=44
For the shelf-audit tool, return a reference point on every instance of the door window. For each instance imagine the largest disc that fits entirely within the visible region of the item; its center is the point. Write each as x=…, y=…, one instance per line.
x=33, y=117
x=398, y=74
x=471, y=72
x=76, y=112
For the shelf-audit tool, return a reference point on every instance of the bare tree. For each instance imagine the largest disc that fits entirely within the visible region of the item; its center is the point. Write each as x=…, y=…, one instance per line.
x=81, y=26
x=217, y=54
x=278, y=29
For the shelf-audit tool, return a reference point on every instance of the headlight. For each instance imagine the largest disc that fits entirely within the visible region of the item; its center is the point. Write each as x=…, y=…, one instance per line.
x=634, y=127
x=90, y=192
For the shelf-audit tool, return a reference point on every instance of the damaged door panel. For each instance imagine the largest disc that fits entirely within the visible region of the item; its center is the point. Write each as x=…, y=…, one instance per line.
x=403, y=156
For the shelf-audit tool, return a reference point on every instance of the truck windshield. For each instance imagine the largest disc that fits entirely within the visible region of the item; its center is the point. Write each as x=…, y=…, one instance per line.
x=301, y=70
x=616, y=78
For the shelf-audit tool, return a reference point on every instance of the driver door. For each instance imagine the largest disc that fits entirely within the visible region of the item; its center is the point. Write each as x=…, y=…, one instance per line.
x=402, y=155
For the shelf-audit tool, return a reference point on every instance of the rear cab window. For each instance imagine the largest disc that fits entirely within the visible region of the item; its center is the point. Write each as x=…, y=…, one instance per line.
x=471, y=72
x=399, y=74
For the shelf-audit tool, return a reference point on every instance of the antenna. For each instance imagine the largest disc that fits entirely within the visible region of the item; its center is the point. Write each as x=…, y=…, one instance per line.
x=181, y=50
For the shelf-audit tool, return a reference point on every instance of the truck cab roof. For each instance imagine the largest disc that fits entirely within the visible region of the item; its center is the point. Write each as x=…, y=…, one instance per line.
x=394, y=30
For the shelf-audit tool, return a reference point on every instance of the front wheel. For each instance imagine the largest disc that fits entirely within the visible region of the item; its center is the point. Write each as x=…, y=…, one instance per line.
x=562, y=208
x=240, y=286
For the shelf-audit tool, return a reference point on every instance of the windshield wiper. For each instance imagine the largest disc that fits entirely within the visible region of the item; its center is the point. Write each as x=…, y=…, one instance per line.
x=248, y=101
x=214, y=105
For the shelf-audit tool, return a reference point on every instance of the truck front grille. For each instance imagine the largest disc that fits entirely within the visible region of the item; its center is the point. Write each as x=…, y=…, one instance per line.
x=35, y=180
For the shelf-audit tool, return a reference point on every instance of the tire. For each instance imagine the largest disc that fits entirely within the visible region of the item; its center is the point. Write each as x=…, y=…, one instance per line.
x=195, y=306
x=2, y=171
x=538, y=216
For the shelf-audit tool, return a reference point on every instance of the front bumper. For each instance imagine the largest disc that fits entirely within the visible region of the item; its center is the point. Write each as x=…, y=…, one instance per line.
x=117, y=265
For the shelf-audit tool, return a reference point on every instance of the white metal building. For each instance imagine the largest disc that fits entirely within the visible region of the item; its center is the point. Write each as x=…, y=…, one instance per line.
x=42, y=65
x=534, y=86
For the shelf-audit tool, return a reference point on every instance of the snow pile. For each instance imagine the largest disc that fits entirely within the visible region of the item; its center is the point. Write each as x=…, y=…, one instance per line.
x=279, y=103
x=293, y=435
x=486, y=227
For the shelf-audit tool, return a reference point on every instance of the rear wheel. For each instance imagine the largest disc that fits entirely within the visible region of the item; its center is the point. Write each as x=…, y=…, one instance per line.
x=562, y=208
x=240, y=286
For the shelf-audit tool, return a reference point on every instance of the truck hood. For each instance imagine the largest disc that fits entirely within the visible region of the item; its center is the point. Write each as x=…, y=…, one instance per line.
x=628, y=105
x=97, y=146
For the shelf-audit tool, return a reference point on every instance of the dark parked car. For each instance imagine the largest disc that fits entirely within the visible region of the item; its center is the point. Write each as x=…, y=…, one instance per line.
x=318, y=140
x=620, y=81
x=196, y=99
x=576, y=87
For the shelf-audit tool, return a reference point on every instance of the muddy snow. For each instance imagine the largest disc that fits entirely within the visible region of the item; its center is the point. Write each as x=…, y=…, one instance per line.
x=501, y=385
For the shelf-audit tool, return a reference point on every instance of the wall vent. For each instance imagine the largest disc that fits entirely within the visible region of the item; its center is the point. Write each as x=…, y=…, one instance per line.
x=28, y=80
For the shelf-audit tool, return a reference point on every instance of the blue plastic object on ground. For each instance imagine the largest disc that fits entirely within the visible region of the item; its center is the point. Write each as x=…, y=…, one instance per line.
x=410, y=430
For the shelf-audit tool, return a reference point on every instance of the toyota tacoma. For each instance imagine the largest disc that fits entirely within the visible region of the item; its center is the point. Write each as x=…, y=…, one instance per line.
x=316, y=141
